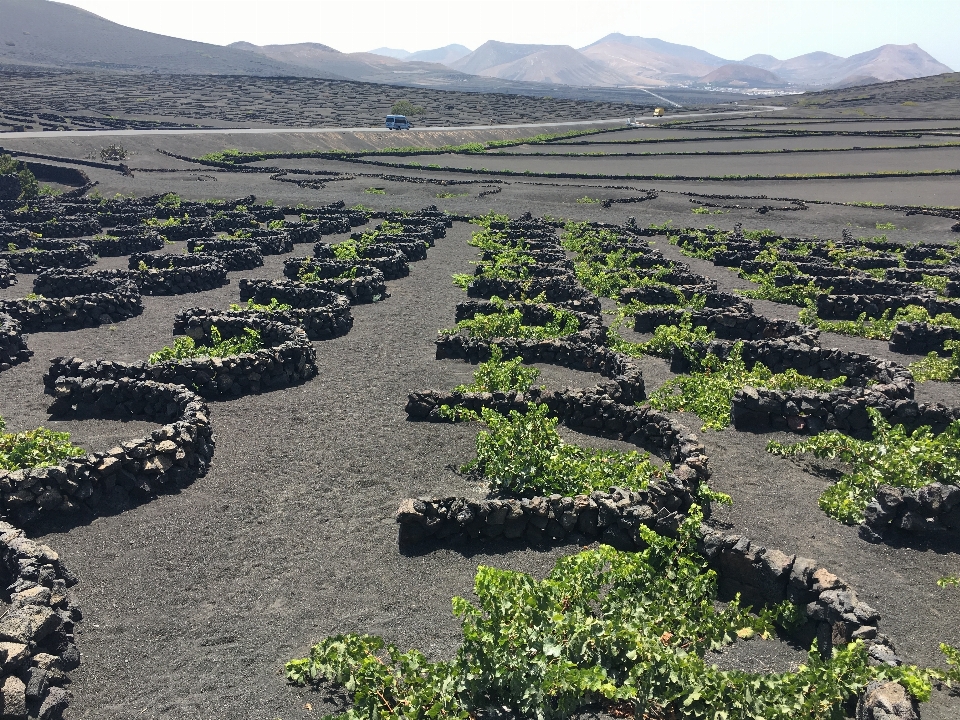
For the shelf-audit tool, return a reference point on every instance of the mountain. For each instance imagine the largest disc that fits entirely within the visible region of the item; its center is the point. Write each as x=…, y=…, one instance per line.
x=391, y=52
x=324, y=61
x=445, y=56
x=538, y=63
x=741, y=75
x=48, y=34
x=650, y=61
x=885, y=63
x=891, y=62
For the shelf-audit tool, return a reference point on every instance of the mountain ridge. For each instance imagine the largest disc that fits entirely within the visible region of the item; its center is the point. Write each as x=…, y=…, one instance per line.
x=46, y=34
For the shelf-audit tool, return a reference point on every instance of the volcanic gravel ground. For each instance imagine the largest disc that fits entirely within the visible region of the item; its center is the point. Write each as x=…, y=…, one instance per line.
x=867, y=161
x=193, y=601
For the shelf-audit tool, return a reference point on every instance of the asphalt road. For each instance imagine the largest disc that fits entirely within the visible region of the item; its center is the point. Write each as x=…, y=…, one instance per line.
x=274, y=131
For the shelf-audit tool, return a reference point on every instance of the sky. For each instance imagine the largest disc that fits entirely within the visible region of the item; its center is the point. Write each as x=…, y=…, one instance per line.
x=731, y=29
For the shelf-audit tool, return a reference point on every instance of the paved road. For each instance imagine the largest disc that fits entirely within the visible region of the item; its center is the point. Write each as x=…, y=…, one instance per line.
x=274, y=130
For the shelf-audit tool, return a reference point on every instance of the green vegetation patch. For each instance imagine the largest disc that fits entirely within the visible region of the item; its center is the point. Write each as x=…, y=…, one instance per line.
x=708, y=391
x=877, y=328
x=892, y=456
x=522, y=454
x=186, y=347
x=499, y=375
x=251, y=307
x=934, y=367
x=628, y=630
x=507, y=322
x=35, y=448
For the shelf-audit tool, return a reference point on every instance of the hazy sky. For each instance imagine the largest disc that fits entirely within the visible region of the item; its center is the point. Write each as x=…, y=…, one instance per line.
x=732, y=29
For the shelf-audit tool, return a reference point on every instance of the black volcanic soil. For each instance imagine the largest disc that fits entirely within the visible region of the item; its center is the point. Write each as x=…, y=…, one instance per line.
x=192, y=602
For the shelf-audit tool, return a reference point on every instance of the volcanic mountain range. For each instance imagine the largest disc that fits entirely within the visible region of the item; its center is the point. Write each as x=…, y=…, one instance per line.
x=49, y=35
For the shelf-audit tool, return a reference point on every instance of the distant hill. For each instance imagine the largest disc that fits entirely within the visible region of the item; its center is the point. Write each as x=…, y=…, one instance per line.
x=446, y=55
x=740, y=75
x=885, y=63
x=650, y=61
x=327, y=62
x=935, y=90
x=538, y=63
x=46, y=34
x=391, y=52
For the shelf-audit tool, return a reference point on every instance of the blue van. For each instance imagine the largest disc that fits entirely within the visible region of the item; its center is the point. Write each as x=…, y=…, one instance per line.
x=397, y=122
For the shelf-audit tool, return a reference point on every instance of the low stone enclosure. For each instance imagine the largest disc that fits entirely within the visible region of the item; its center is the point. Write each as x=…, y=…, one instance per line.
x=729, y=317
x=124, y=241
x=32, y=260
x=171, y=274
x=605, y=410
x=13, y=348
x=286, y=358
x=172, y=457
x=69, y=300
x=233, y=255
x=360, y=283
x=390, y=261
x=562, y=291
x=591, y=328
x=918, y=338
x=321, y=313
x=832, y=612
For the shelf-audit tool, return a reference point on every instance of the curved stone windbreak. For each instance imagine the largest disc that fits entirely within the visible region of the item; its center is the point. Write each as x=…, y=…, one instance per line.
x=563, y=290
x=65, y=228
x=360, y=283
x=32, y=261
x=832, y=612
x=307, y=232
x=912, y=275
x=571, y=354
x=67, y=283
x=132, y=240
x=171, y=274
x=850, y=307
x=37, y=629
x=413, y=250
x=13, y=348
x=390, y=261
x=270, y=242
x=931, y=510
x=172, y=457
x=233, y=255
x=322, y=314
x=73, y=300
x=729, y=318
x=843, y=409
x=882, y=376
x=916, y=338
x=614, y=517
x=663, y=294
x=591, y=328
x=286, y=358
x=185, y=230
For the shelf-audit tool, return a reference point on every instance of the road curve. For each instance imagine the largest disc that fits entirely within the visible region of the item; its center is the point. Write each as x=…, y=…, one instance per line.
x=278, y=130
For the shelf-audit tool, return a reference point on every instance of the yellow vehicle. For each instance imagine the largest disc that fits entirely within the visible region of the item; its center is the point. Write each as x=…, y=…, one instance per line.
x=659, y=112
